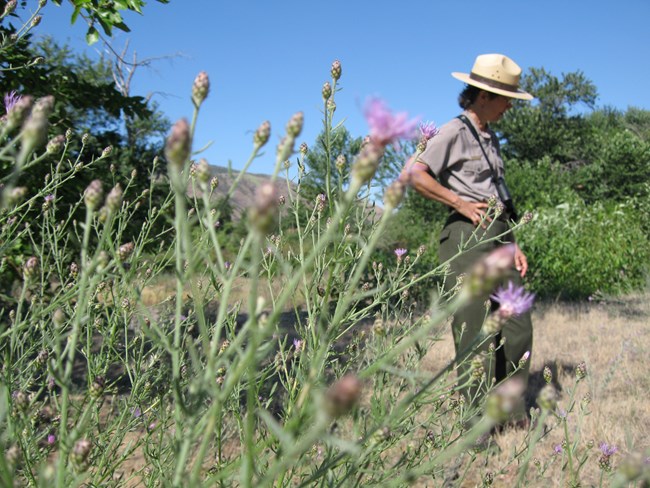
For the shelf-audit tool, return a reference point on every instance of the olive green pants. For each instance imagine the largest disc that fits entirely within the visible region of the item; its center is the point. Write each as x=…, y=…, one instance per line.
x=501, y=360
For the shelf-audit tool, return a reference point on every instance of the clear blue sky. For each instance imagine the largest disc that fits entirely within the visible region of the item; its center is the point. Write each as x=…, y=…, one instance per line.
x=269, y=59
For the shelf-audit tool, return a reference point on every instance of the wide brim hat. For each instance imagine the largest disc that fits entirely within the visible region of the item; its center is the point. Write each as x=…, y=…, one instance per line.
x=495, y=73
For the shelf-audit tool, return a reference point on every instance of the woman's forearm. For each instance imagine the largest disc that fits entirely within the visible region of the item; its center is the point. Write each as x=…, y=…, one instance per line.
x=427, y=186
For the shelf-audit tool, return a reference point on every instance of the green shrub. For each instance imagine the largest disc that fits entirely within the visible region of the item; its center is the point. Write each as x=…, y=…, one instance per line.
x=575, y=250
x=539, y=184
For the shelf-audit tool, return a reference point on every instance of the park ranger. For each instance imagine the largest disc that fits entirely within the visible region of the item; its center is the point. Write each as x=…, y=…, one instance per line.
x=462, y=168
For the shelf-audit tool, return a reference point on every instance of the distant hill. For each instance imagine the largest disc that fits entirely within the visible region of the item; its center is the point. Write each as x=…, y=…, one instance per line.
x=244, y=194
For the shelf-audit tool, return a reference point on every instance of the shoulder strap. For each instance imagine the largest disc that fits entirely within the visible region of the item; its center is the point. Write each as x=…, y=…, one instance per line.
x=472, y=129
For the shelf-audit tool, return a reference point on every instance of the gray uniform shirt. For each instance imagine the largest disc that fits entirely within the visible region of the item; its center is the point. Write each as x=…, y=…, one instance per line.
x=456, y=160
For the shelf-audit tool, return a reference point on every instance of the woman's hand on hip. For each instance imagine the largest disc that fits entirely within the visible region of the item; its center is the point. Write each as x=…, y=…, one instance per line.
x=475, y=211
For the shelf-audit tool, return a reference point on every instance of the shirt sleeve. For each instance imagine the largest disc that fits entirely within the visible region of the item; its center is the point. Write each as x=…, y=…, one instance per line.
x=441, y=150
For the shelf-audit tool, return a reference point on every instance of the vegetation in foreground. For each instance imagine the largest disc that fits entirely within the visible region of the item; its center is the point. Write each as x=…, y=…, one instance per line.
x=325, y=376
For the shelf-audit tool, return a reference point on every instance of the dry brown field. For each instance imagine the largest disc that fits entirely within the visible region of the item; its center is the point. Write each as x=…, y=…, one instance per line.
x=613, y=338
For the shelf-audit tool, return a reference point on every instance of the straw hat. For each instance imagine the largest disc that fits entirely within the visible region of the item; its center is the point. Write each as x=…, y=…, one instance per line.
x=495, y=73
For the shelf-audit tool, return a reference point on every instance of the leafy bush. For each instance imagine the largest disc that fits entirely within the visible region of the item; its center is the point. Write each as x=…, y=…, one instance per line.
x=539, y=184
x=576, y=250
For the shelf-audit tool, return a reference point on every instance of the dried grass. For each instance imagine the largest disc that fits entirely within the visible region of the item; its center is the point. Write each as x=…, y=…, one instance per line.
x=613, y=339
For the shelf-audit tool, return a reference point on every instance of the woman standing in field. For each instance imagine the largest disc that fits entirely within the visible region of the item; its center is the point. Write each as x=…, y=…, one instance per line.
x=462, y=168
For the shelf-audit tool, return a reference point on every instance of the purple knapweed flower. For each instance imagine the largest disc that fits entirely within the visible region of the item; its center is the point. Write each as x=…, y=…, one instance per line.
x=51, y=440
x=298, y=344
x=608, y=450
x=557, y=449
x=10, y=100
x=513, y=300
x=399, y=252
x=428, y=130
x=137, y=413
x=385, y=127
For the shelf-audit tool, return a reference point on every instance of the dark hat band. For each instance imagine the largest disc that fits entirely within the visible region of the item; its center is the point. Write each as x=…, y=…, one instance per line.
x=493, y=83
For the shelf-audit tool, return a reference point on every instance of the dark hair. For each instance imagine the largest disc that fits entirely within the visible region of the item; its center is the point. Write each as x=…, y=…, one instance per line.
x=468, y=96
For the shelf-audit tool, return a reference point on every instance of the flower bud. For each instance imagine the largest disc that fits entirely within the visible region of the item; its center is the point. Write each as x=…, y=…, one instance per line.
x=36, y=125
x=326, y=91
x=285, y=148
x=13, y=456
x=36, y=20
x=527, y=217
x=58, y=317
x=200, y=88
x=214, y=182
x=107, y=151
x=262, y=134
x=125, y=251
x=422, y=144
x=492, y=325
x=203, y=171
x=16, y=195
x=548, y=375
x=294, y=126
x=394, y=194
x=331, y=105
x=20, y=400
x=336, y=69
x=56, y=144
x=581, y=370
x=30, y=269
x=97, y=387
x=340, y=162
x=366, y=163
x=9, y=8
x=114, y=198
x=547, y=398
x=79, y=455
x=93, y=194
x=43, y=106
x=48, y=201
x=262, y=213
x=524, y=359
x=303, y=148
x=343, y=395
x=17, y=111
x=487, y=272
x=178, y=145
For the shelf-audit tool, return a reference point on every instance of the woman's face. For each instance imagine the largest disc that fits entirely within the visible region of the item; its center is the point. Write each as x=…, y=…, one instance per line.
x=496, y=107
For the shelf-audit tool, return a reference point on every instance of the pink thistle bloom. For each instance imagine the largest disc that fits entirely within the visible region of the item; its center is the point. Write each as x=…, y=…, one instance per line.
x=11, y=99
x=608, y=450
x=51, y=439
x=385, y=127
x=399, y=252
x=557, y=449
x=513, y=300
x=428, y=130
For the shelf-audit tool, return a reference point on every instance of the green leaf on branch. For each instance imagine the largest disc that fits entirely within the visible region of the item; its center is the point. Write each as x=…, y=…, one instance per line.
x=92, y=36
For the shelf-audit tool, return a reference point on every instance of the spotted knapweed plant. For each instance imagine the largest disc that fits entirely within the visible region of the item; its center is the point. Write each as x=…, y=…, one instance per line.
x=313, y=375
